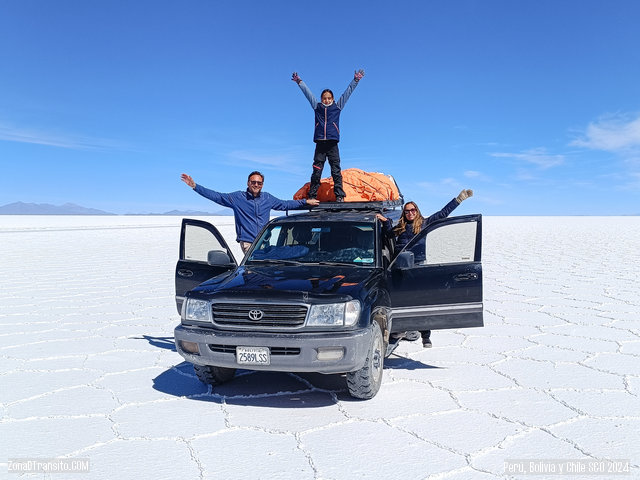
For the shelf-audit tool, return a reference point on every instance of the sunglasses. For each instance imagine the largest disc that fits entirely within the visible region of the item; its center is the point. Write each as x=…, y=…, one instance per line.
x=409, y=210
x=255, y=182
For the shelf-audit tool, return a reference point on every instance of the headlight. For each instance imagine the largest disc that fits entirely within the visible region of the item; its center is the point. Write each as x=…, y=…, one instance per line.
x=197, y=310
x=351, y=312
x=334, y=314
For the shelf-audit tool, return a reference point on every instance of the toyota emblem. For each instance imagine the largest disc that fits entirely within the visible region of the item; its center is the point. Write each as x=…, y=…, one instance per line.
x=255, y=315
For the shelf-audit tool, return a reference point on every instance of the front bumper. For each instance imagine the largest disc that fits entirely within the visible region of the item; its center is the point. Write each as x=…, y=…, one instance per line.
x=290, y=352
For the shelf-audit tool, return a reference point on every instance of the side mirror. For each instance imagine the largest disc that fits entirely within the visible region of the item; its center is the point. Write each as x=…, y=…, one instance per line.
x=404, y=260
x=218, y=257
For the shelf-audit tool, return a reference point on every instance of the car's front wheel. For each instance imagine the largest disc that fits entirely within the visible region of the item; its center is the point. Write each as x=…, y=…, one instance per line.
x=214, y=375
x=365, y=383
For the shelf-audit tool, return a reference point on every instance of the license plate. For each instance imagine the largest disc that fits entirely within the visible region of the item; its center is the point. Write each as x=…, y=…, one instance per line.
x=253, y=356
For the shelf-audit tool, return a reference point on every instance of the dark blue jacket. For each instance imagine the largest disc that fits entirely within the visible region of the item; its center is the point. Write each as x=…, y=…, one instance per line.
x=327, y=123
x=250, y=213
x=406, y=236
x=327, y=126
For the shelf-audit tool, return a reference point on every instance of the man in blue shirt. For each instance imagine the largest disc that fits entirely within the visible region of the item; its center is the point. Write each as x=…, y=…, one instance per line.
x=251, y=208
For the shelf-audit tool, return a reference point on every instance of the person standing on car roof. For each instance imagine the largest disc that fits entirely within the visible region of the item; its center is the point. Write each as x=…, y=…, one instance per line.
x=326, y=134
x=410, y=224
x=251, y=208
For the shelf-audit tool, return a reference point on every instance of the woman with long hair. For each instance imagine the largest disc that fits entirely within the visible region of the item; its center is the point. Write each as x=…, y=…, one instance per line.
x=410, y=224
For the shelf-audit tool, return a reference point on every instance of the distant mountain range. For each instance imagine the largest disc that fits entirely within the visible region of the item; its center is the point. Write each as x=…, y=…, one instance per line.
x=194, y=213
x=21, y=208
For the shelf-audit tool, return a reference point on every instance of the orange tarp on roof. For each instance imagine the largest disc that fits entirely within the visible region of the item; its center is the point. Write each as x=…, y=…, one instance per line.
x=358, y=185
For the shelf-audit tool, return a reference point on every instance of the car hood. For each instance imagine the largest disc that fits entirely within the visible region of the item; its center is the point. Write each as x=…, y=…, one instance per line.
x=272, y=281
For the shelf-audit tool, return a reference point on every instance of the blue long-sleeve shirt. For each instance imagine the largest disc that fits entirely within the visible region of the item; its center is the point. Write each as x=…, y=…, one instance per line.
x=250, y=213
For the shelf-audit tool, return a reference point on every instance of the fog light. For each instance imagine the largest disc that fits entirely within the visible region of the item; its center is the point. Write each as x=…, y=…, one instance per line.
x=330, y=353
x=190, y=347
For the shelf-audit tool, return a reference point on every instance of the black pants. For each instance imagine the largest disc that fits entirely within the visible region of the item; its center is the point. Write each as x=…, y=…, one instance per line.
x=326, y=150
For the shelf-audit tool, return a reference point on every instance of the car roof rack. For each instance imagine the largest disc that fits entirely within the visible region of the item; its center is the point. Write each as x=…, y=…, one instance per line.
x=377, y=205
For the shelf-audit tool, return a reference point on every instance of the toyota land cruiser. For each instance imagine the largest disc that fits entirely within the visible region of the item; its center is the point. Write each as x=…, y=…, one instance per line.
x=322, y=291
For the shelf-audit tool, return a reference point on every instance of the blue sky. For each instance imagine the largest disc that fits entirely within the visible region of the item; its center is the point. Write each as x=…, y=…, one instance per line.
x=535, y=105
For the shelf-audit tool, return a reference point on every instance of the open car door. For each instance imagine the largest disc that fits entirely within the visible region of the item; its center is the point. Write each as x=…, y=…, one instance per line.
x=203, y=255
x=436, y=281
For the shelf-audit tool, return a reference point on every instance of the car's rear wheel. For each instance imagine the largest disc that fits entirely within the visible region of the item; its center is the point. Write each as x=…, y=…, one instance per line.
x=214, y=375
x=365, y=383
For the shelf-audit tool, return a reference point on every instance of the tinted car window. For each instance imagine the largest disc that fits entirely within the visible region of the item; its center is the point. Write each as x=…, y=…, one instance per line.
x=198, y=242
x=454, y=243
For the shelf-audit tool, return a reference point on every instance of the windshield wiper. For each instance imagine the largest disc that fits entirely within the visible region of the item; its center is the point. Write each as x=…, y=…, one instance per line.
x=274, y=260
x=337, y=263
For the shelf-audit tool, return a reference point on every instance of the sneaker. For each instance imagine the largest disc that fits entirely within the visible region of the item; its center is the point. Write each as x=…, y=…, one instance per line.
x=412, y=336
x=339, y=199
x=426, y=343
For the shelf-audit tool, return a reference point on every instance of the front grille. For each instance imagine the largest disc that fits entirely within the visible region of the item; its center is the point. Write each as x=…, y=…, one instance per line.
x=270, y=316
x=217, y=348
x=222, y=348
x=285, y=351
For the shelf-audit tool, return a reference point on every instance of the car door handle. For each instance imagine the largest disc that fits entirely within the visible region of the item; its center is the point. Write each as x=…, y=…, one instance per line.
x=465, y=277
x=185, y=273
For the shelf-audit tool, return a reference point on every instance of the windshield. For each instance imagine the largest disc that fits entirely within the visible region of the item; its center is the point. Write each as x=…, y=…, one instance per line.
x=309, y=242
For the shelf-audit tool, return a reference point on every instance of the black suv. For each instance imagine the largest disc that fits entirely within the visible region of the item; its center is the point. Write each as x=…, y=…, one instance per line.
x=322, y=291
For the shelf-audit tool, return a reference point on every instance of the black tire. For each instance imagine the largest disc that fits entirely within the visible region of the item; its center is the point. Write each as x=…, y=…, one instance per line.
x=214, y=375
x=365, y=383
